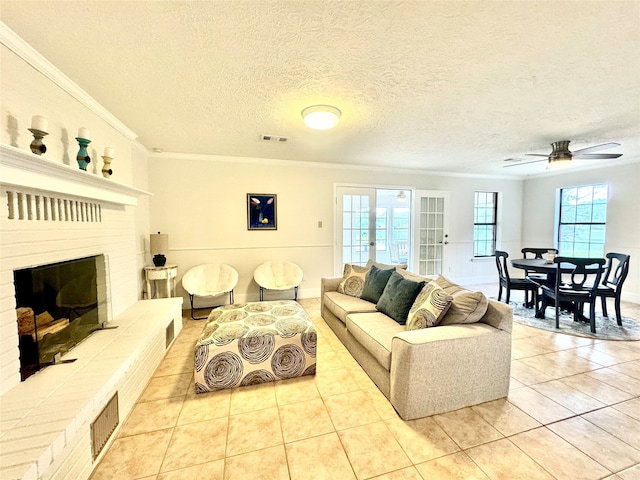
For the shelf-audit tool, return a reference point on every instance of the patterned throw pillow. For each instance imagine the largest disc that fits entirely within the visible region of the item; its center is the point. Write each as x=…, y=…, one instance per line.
x=353, y=280
x=430, y=306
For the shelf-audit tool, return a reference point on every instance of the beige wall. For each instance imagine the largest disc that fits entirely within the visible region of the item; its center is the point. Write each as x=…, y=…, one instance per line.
x=623, y=213
x=201, y=203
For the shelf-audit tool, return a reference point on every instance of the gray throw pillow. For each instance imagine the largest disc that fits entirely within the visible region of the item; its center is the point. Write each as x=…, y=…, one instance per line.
x=374, y=284
x=398, y=297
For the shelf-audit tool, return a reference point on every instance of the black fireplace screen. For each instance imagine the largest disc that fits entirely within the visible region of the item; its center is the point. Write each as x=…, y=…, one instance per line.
x=58, y=306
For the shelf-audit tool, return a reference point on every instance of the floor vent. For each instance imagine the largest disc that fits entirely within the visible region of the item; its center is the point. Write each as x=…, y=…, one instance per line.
x=104, y=425
x=170, y=335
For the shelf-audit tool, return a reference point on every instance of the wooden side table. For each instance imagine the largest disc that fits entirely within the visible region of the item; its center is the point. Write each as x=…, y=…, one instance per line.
x=167, y=273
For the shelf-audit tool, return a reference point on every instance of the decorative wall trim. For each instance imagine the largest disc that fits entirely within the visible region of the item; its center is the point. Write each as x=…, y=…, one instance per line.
x=19, y=168
x=25, y=206
x=16, y=44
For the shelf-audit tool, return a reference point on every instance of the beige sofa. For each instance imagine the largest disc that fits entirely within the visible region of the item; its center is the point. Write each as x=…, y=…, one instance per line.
x=427, y=371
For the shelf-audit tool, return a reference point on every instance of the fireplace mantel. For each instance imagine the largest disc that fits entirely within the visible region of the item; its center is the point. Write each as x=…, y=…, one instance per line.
x=22, y=168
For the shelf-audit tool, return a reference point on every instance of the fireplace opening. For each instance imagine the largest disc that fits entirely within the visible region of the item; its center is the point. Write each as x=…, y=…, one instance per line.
x=57, y=306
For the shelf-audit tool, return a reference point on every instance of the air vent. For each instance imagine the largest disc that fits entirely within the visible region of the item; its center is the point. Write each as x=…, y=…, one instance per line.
x=104, y=425
x=274, y=139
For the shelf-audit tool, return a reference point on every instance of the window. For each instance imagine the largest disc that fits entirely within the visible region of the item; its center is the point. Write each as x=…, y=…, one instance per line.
x=484, y=223
x=582, y=220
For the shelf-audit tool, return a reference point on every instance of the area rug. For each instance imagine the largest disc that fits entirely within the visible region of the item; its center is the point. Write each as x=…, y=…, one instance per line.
x=606, y=328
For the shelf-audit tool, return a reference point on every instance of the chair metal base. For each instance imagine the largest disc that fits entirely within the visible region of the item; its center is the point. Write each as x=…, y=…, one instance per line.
x=262, y=289
x=231, y=300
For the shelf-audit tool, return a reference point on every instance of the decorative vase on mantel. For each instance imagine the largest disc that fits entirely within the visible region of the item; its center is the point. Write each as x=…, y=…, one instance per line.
x=83, y=156
x=106, y=169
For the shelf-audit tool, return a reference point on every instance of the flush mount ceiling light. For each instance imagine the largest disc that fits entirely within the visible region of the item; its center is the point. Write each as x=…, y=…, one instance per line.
x=321, y=117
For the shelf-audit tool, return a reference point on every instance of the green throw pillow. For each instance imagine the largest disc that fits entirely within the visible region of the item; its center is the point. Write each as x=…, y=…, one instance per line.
x=374, y=284
x=398, y=297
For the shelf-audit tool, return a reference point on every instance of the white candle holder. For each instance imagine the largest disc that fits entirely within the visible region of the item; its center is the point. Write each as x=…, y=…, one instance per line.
x=37, y=146
x=106, y=169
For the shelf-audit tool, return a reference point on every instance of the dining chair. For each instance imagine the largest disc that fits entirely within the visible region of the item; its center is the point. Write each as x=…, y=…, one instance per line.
x=611, y=287
x=581, y=287
x=513, y=283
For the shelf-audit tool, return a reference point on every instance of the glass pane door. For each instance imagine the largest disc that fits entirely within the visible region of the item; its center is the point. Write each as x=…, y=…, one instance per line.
x=356, y=238
x=374, y=225
x=431, y=236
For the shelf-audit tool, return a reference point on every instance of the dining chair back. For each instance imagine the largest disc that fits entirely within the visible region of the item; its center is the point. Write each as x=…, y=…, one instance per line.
x=611, y=287
x=530, y=252
x=509, y=283
x=575, y=288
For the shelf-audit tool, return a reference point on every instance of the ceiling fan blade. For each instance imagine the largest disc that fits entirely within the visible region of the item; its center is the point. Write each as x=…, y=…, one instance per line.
x=597, y=156
x=537, y=155
x=524, y=163
x=595, y=148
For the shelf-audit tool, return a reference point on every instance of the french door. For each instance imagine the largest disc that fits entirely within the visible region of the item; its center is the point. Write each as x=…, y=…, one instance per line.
x=372, y=224
x=430, y=235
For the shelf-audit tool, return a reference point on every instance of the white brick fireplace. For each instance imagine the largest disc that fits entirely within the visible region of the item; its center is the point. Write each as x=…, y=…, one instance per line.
x=52, y=212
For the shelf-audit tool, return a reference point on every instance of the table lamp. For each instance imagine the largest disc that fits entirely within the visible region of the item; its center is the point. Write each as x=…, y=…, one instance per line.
x=159, y=248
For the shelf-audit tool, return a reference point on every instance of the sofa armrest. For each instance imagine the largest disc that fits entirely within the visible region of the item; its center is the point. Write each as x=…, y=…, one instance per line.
x=499, y=315
x=434, y=370
x=327, y=284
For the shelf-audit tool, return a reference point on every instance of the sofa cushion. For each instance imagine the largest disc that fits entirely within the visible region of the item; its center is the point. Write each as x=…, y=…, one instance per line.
x=353, y=279
x=466, y=307
x=429, y=308
x=398, y=297
x=374, y=284
x=374, y=331
x=342, y=305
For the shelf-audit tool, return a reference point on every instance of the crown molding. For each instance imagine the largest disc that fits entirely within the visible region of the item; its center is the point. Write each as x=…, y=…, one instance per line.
x=17, y=45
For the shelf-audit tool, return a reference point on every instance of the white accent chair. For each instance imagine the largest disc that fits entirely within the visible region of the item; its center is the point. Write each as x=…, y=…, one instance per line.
x=278, y=275
x=209, y=280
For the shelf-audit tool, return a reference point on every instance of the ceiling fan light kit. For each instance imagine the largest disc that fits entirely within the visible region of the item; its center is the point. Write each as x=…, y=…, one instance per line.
x=321, y=117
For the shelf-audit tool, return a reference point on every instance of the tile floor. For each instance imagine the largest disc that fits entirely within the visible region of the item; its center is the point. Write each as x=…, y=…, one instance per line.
x=573, y=413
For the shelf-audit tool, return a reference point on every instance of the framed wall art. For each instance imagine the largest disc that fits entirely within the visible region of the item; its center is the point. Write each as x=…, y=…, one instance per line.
x=261, y=211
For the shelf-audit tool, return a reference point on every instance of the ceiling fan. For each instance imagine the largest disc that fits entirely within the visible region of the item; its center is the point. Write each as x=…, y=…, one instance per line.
x=562, y=156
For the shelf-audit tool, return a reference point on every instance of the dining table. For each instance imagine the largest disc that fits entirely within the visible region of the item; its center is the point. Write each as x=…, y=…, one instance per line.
x=541, y=265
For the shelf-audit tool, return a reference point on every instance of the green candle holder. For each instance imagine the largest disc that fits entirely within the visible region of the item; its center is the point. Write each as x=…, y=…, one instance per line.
x=83, y=156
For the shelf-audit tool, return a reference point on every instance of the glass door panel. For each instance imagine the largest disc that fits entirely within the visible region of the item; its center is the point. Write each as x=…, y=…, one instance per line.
x=431, y=236
x=375, y=225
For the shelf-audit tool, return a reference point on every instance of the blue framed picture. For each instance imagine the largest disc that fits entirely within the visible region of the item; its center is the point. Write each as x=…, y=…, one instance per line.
x=261, y=211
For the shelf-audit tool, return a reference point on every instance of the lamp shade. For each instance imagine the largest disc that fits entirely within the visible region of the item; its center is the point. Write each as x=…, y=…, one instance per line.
x=159, y=243
x=321, y=117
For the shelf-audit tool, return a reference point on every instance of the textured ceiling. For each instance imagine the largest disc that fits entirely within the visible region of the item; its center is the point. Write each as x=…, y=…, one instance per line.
x=450, y=86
